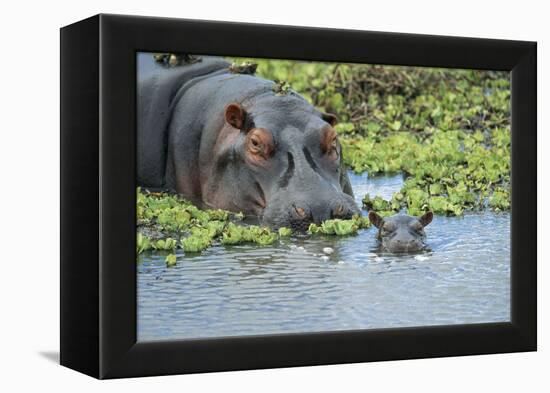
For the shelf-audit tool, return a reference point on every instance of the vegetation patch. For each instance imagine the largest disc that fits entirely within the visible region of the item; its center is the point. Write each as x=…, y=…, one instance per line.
x=340, y=227
x=167, y=222
x=447, y=131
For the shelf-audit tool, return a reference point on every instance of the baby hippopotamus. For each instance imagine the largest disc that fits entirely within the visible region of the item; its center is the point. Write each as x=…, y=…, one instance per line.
x=401, y=233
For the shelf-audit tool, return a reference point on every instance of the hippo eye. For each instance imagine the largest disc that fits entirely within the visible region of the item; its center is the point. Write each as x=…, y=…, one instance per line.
x=260, y=142
x=256, y=144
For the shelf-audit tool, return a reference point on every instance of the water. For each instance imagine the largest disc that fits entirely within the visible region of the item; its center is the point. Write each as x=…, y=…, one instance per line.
x=290, y=288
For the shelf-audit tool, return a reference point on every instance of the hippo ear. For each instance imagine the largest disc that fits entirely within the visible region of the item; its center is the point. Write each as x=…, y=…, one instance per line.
x=375, y=219
x=426, y=218
x=235, y=115
x=330, y=118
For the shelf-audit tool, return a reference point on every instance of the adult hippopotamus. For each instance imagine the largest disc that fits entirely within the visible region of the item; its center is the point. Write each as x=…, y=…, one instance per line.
x=237, y=142
x=401, y=233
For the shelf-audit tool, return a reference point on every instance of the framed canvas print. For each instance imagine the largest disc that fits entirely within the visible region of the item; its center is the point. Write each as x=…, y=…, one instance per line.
x=239, y=196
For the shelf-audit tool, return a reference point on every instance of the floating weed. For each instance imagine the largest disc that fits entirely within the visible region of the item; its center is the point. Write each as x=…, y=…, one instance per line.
x=281, y=88
x=163, y=218
x=500, y=199
x=233, y=234
x=196, y=243
x=246, y=67
x=284, y=232
x=382, y=206
x=340, y=227
x=170, y=260
x=266, y=238
x=236, y=234
x=452, y=165
x=165, y=244
x=143, y=243
x=260, y=235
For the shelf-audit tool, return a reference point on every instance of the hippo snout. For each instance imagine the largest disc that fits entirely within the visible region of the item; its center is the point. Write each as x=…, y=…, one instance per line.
x=299, y=214
x=403, y=245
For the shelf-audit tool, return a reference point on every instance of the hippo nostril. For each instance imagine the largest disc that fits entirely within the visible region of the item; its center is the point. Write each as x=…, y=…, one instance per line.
x=300, y=211
x=341, y=211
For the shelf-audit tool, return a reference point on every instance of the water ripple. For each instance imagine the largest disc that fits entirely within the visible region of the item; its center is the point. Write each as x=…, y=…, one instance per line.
x=246, y=290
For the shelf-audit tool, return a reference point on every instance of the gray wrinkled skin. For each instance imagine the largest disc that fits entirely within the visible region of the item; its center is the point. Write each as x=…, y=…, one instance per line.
x=401, y=233
x=183, y=147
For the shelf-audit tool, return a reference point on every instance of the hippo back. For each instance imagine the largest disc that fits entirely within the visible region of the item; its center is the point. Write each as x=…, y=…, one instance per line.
x=157, y=94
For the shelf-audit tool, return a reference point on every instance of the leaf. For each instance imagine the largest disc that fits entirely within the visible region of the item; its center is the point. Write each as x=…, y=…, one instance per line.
x=266, y=239
x=345, y=227
x=500, y=200
x=232, y=234
x=285, y=232
x=313, y=229
x=143, y=243
x=373, y=128
x=170, y=260
x=195, y=243
x=361, y=222
x=344, y=128
x=396, y=125
x=436, y=189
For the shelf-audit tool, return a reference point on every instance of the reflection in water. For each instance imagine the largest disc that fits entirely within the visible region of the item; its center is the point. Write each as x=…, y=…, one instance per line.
x=294, y=287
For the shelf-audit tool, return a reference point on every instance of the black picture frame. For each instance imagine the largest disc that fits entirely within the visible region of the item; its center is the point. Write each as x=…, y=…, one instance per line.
x=98, y=190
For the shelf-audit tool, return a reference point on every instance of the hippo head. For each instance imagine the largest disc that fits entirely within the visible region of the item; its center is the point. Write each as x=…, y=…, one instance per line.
x=401, y=233
x=279, y=159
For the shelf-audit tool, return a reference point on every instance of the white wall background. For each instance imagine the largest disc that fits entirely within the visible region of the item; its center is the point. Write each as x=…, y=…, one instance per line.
x=29, y=195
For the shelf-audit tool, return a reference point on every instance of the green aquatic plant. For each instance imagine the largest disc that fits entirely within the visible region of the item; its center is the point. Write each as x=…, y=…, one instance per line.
x=265, y=236
x=196, y=243
x=165, y=244
x=167, y=216
x=334, y=227
x=361, y=222
x=440, y=205
x=233, y=234
x=236, y=234
x=382, y=206
x=170, y=260
x=452, y=165
x=344, y=227
x=500, y=200
x=174, y=219
x=284, y=232
x=143, y=243
x=340, y=227
x=215, y=227
x=219, y=215
x=281, y=88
